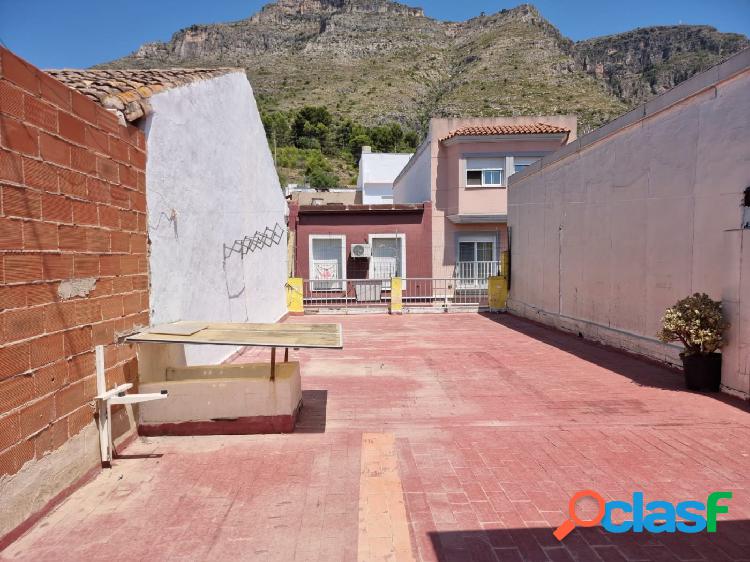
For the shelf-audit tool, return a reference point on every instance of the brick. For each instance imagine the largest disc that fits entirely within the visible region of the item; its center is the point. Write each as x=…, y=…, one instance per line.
x=102, y=288
x=98, y=190
x=69, y=398
x=10, y=430
x=141, y=182
x=11, y=237
x=120, y=197
x=137, y=158
x=120, y=242
x=51, y=438
x=84, y=107
x=128, y=177
x=56, y=208
x=85, y=212
x=88, y=312
x=11, y=100
x=15, y=392
x=10, y=166
x=86, y=266
x=118, y=149
x=128, y=221
x=57, y=266
x=60, y=316
x=98, y=240
x=21, y=202
x=38, y=235
x=131, y=303
x=17, y=136
x=55, y=91
x=22, y=324
x=37, y=416
x=22, y=267
x=103, y=333
x=138, y=202
x=140, y=282
x=97, y=140
x=72, y=238
x=40, y=175
x=72, y=128
x=12, y=460
x=108, y=169
x=78, y=341
x=20, y=72
x=109, y=216
x=72, y=183
x=108, y=121
x=13, y=296
x=46, y=350
x=122, y=284
x=40, y=113
x=83, y=160
x=111, y=307
x=129, y=264
x=54, y=149
x=14, y=360
x=50, y=378
x=82, y=366
x=109, y=265
x=79, y=419
x=40, y=293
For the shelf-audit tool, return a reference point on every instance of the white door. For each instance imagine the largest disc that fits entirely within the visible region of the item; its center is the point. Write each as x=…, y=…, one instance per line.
x=386, y=261
x=326, y=263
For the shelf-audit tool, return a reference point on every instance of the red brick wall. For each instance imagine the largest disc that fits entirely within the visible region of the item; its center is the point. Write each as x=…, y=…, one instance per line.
x=73, y=205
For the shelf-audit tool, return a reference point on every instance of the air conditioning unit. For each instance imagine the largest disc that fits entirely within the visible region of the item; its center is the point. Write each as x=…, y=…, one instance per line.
x=361, y=250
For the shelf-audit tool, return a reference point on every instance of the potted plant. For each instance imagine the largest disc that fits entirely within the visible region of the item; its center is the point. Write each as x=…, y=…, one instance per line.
x=697, y=321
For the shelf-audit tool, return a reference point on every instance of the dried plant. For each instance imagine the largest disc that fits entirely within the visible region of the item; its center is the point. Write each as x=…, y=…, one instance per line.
x=698, y=322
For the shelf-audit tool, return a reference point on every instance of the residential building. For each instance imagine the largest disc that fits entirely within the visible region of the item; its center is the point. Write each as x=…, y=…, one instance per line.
x=377, y=172
x=462, y=168
x=398, y=238
x=337, y=196
x=216, y=211
x=639, y=214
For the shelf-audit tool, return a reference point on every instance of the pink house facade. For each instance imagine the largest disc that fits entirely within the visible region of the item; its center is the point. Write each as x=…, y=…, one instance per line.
x=462, y=168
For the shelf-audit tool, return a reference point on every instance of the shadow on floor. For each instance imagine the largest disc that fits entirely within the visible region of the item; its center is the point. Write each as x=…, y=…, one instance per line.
x=119, y=456
x=312, y=417
x=640, y=370
x=730, y=542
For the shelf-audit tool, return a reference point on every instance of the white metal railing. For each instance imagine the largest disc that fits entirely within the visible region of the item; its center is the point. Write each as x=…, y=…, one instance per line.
x=417, y=293
x=474, y=274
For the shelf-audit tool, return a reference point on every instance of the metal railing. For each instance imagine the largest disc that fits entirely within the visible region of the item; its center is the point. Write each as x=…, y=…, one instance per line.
x=418, y=294
x=474, y=274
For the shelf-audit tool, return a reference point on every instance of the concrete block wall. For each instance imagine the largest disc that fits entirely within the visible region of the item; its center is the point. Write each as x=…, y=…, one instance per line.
x=73, y=274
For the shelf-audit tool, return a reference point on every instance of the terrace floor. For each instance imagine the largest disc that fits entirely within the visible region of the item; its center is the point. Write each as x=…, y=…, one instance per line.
x=429, y=437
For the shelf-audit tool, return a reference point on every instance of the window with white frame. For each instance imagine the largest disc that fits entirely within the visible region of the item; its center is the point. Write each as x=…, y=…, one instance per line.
x=485, y=172
x=388, y=258
x=327, y=262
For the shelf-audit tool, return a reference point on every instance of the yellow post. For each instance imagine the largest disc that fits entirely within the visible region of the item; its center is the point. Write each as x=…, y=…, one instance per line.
x=397, y=306
x=294, y=303
x=498, y=286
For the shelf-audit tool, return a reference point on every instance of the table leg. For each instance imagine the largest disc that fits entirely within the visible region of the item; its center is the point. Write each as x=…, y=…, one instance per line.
x=286, y=355
x=273, y=363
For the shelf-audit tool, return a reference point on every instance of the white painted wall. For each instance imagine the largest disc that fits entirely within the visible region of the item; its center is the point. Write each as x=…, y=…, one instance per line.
x=414, y=183
x=210, y=180
x=377, y=172
x=611, y=230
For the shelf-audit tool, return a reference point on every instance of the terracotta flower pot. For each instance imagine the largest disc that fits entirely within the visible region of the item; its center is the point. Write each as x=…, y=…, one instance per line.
x=702, y=372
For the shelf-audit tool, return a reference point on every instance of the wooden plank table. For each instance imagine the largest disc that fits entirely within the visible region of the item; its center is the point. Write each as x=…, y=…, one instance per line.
x=311, y=336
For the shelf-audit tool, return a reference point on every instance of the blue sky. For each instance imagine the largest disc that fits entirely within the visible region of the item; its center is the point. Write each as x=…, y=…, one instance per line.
x=77, y=33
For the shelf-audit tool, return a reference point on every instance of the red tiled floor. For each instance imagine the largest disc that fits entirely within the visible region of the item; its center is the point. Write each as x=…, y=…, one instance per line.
x=497, y=422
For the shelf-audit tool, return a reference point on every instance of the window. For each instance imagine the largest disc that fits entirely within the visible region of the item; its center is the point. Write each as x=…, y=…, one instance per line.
x=484, y=172
x=388, y=257
x=476, y=259
x=327, y=262
x=521, y=163
x=317, y=201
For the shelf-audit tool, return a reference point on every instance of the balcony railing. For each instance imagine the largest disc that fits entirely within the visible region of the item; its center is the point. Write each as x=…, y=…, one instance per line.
x=474, y=274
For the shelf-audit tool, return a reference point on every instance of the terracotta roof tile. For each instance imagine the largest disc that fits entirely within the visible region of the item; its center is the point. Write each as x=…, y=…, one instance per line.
x=492, y=130
x=126, y=92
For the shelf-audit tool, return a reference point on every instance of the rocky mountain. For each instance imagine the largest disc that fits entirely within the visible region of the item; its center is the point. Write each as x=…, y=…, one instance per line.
x=378, y=60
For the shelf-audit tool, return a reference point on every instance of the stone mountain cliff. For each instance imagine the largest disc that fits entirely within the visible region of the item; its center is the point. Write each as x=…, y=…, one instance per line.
x=377, y=60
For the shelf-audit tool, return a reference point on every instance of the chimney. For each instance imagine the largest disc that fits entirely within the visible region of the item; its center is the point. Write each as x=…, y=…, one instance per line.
x=366, y=149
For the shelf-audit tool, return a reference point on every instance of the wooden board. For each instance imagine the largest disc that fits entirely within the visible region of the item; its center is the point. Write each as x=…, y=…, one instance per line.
x=178, y=328
x=255, y=335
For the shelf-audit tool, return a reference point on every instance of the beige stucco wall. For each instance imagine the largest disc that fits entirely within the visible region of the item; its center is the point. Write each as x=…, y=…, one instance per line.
x=614, y=228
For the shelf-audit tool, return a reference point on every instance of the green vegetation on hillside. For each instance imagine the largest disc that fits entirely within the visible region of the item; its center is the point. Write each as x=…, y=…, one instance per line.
x=312, y=145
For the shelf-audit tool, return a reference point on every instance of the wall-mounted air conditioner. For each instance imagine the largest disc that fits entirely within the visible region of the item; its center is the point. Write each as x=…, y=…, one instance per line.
x=361, y=250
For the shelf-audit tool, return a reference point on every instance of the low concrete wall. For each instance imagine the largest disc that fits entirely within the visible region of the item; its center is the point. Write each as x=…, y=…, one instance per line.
x=609, y=231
